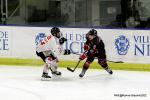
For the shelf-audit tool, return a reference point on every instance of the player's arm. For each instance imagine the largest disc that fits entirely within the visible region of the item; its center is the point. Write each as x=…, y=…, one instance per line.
x=61, y=41
x=86, y=49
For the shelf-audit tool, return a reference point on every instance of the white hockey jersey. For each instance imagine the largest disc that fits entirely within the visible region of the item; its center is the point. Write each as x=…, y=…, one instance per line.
x=48, y=44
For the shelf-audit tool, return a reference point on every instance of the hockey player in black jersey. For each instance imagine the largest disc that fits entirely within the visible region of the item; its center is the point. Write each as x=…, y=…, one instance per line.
x=94, y=48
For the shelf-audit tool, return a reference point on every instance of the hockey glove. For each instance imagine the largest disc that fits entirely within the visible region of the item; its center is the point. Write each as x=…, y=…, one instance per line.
x=62, y=40
x=67, y=52
x=82, y=56
x=86, y=47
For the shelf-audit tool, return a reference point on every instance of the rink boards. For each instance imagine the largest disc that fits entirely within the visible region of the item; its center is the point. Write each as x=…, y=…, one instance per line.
x=121, y=45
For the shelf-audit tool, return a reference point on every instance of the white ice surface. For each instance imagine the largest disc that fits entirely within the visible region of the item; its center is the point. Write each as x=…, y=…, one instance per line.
x=24, y=83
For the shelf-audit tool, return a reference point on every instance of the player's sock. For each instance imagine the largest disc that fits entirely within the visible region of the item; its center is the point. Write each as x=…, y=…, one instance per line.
x=53, y=67
x=54, y=70
x=84, y=69
x=45, y=69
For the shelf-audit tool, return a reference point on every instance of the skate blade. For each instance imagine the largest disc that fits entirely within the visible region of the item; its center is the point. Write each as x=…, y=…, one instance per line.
x=82, y=78
x=45, y=79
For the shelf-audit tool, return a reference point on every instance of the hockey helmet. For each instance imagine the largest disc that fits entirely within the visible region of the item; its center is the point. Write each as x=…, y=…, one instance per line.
x=92, y=32
x=54, y=31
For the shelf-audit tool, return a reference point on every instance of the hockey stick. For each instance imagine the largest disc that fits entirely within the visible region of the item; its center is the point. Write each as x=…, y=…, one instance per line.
x=115, y=61
x=72, y=70
x=107, y=60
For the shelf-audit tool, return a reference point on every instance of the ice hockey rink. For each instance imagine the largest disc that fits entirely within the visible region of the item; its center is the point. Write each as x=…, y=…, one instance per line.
x=24, y=83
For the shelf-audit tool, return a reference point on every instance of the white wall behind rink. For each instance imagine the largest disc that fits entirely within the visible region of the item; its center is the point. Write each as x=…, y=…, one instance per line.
x=121, y=45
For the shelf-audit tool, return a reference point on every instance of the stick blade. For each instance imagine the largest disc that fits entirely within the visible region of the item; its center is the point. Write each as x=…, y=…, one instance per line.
x=70, y=69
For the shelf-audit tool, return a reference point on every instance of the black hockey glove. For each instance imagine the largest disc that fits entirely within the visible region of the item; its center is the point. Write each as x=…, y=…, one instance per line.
x=67, y=52
x=62, y=40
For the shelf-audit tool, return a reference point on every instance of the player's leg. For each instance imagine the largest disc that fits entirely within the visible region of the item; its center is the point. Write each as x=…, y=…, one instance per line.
x=102, y=58
x=45, y=71
x=86, y=66
x=103, y=63
x=54, y=68
x=53, y=65
x=45, y=68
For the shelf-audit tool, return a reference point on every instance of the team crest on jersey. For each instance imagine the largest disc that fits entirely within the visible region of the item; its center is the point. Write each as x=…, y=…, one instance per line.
x=39, y=38
x=122, y=45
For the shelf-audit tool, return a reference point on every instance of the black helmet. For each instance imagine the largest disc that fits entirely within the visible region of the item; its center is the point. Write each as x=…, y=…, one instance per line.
x=92, y=32
x=55, y=30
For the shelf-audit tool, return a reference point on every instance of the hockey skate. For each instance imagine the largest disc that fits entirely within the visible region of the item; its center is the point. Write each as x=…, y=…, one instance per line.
x=56, y=73
x=45, y=76
x=82, y=73
x=109, y=70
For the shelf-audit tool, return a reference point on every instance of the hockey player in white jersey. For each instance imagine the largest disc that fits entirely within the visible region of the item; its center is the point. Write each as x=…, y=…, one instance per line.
x=48, y=48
